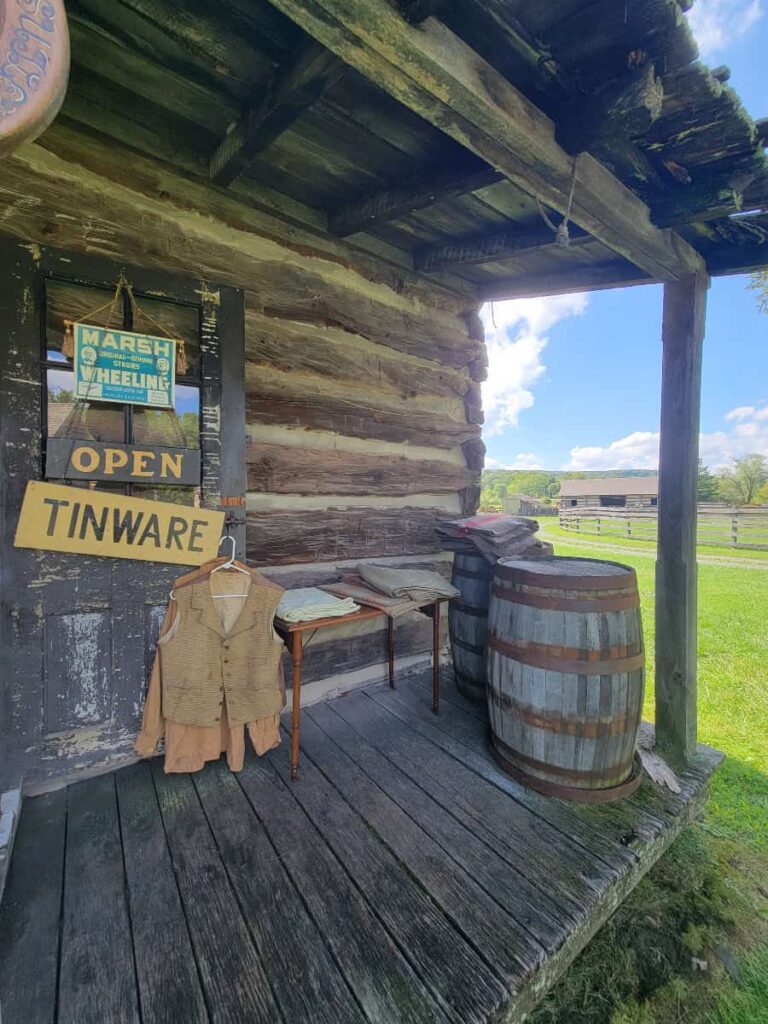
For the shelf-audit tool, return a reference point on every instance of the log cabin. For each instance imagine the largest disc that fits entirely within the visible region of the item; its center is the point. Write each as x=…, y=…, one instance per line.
x=318, y=196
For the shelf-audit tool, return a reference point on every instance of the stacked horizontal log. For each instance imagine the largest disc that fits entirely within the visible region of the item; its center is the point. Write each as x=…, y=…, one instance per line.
x=362, y=379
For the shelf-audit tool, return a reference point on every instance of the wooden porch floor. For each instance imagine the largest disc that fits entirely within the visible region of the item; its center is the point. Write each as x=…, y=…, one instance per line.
x=403, y=878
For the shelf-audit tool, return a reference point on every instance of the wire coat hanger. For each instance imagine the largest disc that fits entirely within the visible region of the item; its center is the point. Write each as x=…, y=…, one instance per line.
x=230, y=564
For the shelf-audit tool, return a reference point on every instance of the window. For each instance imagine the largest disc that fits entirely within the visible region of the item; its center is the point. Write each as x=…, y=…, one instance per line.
x=107, y=421
x=654, y=502
x=574, y=502
x=613, y=501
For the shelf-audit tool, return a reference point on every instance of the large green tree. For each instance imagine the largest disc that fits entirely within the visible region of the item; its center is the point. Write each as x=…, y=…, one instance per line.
x=707, y=484
x=740, y=484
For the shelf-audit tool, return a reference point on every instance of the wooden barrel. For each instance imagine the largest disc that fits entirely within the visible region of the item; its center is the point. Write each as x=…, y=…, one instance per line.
x=467, y=622
x=565, y=675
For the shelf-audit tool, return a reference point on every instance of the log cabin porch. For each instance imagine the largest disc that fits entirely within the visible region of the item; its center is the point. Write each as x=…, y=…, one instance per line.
x=323, y=193
x=402, y=878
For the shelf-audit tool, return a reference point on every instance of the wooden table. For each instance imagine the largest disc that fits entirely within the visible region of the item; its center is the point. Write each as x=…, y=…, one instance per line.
x=293, y=632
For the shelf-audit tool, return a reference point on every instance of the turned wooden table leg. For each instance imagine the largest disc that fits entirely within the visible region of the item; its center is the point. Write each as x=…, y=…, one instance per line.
x=391, y=650
x=296, y=652
x=436, y=657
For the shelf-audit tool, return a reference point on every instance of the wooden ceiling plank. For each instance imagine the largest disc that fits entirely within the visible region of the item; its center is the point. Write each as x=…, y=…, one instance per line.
x=437, y=75
x=392, y=203
x=615, y=274
x=294, y=87
x=492, y=247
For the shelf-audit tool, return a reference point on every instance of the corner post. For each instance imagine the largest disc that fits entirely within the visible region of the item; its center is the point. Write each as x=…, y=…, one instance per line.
x=676, y=574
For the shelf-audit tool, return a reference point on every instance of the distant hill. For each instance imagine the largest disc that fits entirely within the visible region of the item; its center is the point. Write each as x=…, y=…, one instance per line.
x=497, y=484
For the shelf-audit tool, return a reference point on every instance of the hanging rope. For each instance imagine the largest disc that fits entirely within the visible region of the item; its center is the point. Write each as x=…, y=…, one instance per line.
x=560, y=231
x=114, y=318
x=139, y=315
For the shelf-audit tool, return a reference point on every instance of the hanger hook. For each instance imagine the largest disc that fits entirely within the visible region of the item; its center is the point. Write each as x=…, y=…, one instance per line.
x=229, y=537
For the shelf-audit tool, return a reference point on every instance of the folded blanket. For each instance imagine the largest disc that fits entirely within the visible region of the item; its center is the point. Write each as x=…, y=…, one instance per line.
x=416, y=584
x=307, y=603
x=363, y=594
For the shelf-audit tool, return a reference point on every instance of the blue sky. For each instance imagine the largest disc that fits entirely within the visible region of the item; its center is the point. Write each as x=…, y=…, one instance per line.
x=574, y=381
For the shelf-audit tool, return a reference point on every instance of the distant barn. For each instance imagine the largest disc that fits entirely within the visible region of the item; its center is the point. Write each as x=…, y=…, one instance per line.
x=610, y=492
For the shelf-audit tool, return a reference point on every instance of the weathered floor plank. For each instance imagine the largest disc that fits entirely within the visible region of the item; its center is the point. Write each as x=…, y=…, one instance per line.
x=459, y=980
x=503, y=825
x=307, y=982
x=169, y=984
x=29, y=914
x=367, y=781
x=402, y=879
x=234, y=980
x=97, y=983
x=465, y=738
x=385, y=984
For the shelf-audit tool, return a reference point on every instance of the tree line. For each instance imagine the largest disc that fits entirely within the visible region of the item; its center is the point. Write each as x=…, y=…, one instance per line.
x=744, y=482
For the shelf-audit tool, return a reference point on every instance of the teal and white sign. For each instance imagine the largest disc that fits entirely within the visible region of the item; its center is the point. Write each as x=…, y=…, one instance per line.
x=122, y=366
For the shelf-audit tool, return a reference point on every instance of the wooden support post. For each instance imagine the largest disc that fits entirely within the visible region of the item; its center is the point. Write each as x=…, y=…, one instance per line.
x=682, y=337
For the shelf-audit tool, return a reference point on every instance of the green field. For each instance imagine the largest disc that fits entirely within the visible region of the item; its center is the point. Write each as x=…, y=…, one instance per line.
x=690, y=945
x=550, y=529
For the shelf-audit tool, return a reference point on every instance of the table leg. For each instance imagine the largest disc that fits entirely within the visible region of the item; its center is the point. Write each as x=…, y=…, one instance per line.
x=296, y=652
x=436, y=657
x=391, y=650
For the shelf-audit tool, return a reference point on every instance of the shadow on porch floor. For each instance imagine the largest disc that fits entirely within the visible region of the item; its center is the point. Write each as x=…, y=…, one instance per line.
x=402, y=878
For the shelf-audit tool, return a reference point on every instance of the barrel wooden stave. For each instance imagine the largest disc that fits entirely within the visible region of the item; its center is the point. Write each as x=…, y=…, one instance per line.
x=468, y=622
x=566, y=729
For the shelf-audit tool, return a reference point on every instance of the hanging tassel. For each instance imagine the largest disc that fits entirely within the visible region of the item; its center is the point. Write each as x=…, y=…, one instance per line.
x=68, y=344
x=181, y=358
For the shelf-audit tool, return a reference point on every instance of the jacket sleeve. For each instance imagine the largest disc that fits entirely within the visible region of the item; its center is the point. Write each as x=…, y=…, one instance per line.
x=152, y=721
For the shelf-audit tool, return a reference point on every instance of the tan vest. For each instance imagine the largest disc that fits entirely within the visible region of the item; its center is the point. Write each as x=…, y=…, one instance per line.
x=203, y=665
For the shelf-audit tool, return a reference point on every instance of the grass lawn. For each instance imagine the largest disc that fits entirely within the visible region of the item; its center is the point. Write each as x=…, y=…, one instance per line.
x=551, y=530
x=690, y=945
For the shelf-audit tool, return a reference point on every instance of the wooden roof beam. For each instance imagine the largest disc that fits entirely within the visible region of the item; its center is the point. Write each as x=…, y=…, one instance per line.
x=492, y=247
x=434, y=73
x=401, y=200
x=294, y=87
x=590, y=278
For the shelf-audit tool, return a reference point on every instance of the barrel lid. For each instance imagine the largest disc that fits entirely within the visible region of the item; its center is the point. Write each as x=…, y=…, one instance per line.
x=562, y=571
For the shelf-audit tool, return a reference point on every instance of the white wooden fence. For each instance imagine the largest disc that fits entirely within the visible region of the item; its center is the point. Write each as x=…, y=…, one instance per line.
x=717, y=525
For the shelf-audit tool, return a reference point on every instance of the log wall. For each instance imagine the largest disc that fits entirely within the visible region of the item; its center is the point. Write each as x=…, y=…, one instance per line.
x=362, y=379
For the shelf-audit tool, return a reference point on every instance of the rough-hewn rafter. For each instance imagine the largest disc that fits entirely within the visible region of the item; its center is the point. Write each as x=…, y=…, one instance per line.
x=294, y=87
x=593, y=277
x=491, y=247
x=438, y=76
x=404, y=199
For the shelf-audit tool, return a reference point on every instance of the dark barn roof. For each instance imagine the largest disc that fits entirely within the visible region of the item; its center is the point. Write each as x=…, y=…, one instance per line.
x=238, y=92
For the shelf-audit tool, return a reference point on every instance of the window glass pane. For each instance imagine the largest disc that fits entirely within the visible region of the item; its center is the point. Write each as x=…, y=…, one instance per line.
x=66, y=301
x=171, y=320
x=176, y=495
x=86, y=421
x=173, y=428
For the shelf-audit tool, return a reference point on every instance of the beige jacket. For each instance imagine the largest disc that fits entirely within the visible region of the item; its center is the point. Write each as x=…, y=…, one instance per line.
x=187, y=746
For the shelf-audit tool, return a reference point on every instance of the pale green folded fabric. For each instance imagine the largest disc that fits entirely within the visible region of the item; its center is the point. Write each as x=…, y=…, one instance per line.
x=307, y=603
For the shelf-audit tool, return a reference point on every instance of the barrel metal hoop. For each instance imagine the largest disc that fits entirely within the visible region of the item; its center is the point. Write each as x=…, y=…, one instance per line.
x=503, y=754
x=554, y=658
x=547, y=582
x=468, y=609
x=469, y=575
x=478, y=649
x=573, y=774
x=567, y=604
x=552, y=721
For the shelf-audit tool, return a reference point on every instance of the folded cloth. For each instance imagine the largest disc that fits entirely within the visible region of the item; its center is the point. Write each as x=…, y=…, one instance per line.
x=495, y=535
x=307, y=603
x=417, y=584
x=363, y=594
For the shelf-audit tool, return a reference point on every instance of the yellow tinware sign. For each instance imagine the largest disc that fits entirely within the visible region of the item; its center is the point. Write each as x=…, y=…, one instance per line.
x=86, y=522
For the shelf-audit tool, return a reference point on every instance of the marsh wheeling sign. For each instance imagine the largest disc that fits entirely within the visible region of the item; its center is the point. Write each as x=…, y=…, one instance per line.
x=84, y=522
x=122, y=366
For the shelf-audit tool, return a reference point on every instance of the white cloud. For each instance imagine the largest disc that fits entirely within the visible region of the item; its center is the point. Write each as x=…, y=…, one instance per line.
x=716, y=24
x=523, y=460
x=515, y=333
x=640, y=450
